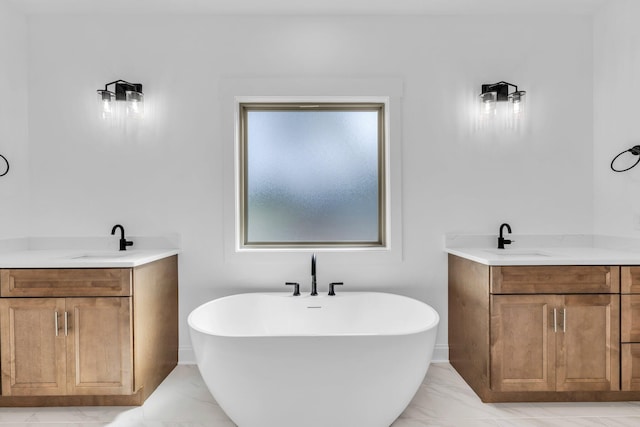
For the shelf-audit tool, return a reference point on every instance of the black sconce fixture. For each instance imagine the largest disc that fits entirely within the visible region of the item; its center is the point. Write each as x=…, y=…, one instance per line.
x=499, y=92
x=110, y=101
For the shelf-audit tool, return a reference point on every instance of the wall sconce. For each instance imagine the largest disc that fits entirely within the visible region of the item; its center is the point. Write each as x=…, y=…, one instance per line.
x=111, y=108
x=495, y=93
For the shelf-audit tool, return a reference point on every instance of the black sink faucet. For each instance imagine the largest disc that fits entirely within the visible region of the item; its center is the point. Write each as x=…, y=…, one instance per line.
x=314, y=289
x=501, y=240
x=123, y=242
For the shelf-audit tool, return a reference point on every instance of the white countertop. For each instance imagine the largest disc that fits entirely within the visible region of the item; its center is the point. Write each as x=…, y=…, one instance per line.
x=548, y=256
x=78, y=258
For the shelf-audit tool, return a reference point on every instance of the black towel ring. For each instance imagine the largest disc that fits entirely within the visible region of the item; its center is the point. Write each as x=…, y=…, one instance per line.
x=7, y=162
x=635, y=150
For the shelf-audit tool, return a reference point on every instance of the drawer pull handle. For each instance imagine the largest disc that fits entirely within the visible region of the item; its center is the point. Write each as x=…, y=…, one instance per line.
x=564, y=319
x=66, y=321
x=55, y=319
x=555, y=320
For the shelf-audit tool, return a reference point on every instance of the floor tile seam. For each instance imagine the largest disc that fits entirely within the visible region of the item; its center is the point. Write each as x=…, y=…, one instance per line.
x=446, y=418
x=622, y=417
x=566, y=417
x=517, y=417
x=63, y=423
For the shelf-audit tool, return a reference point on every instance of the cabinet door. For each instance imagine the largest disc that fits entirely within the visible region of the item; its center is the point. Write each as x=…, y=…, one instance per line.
x=630, y=278
x=630, y=367
x=630, y=318
x=99, y=356
x=523, y=344
x=588, y=355
x=33, y=347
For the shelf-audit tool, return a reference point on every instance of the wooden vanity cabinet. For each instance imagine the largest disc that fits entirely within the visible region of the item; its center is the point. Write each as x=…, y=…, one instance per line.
x=630, y=325
x=66, y=346
x=536, y=333
x=554, y=343
x=33, y=356
x=87, y=336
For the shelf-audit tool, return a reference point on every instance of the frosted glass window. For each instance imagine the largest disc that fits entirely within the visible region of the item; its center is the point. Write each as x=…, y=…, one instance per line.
x=312, y=175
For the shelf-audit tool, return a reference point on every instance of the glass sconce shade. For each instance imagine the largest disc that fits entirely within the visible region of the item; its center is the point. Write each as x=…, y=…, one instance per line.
x=135, y=104
x=488, y=103
x=511, y=109
x=517, y=103
x=106, y=108
x=127, y=100
x=516, y=109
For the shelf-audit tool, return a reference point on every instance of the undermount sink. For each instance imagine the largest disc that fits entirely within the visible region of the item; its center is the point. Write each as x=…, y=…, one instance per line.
x=102, y=255
x=517, y=253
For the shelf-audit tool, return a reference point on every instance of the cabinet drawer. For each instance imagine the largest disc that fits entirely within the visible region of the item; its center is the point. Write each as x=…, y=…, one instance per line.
x=630, y=320
x=630, y=367
x=630, y=277
x=65, y=282
x=555, y=279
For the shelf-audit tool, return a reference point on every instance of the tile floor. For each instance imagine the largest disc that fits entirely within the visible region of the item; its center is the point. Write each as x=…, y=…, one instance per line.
x=444, y=399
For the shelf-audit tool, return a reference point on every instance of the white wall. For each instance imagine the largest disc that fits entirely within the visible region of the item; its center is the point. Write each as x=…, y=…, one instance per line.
x=168, y=176
x=14, y=186
x=616, y=114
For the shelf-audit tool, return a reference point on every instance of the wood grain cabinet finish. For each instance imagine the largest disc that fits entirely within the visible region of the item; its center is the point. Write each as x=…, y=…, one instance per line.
x=568, y=279
x=554, y=343
x=58, y=346
x=523, y=342
x=33, y=352
x=631, y=367
x=85, y=282
x=630, y=319
x=92, y=337
x=539, y=333
x=99, y=346
x=588, y=343
x=630, y=278
x=630, y=327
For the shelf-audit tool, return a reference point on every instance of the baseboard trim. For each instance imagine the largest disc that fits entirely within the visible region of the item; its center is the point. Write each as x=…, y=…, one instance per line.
x=186, y=356
x=440, y=353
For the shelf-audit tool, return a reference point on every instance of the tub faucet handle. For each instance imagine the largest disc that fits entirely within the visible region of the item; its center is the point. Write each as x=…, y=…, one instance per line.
x=296, y=288
x=332, y=292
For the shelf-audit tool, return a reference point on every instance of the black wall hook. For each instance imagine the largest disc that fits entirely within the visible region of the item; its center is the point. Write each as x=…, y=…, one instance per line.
x=635, y=150
x=6, y=171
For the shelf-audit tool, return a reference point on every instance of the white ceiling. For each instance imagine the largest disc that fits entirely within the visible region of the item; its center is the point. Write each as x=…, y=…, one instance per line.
x=375, y=7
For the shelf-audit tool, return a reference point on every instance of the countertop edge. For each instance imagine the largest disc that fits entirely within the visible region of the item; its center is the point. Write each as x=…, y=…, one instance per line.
x=553, y=256
x=73, y=259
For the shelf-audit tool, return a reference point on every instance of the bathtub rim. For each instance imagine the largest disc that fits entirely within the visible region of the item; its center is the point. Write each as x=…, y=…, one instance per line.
x=431, y=325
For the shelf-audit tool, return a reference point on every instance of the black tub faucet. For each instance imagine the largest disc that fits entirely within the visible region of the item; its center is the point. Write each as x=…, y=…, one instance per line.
x=332, y=291
x=296, y=288
x=314, y=289
x=123, y=242
x=501, y=240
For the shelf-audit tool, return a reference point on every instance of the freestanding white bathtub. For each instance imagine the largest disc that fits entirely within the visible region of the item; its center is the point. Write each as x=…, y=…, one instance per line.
x=274, y=360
